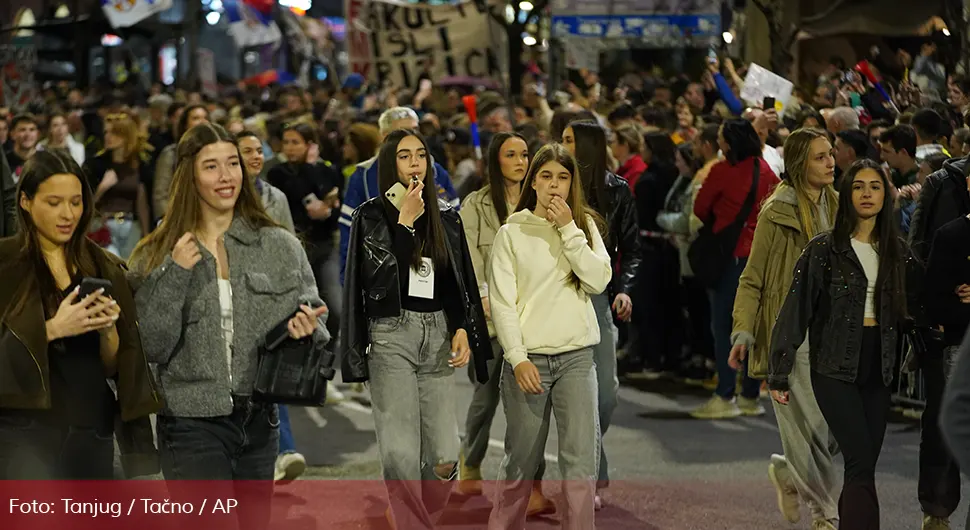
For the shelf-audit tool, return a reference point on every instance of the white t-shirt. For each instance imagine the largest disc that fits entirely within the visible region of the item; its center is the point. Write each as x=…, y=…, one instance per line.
x=869, y=257
x=225, y=309
x=774, y=160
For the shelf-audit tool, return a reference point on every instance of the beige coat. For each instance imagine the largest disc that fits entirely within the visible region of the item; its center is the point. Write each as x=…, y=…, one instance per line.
x=481, y=224
x=778, y=243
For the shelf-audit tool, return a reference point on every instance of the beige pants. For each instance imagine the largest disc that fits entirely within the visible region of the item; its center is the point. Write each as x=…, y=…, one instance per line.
x=808, y=444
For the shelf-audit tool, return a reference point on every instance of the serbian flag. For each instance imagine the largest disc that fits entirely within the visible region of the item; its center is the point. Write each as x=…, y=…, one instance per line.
x=249, y=26
x=125, y=13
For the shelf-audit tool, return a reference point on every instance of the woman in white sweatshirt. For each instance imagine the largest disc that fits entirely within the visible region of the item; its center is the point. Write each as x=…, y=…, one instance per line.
x=546, y=261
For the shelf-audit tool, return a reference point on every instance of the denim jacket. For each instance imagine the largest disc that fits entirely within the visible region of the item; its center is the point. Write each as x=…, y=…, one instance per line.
x=827, y=298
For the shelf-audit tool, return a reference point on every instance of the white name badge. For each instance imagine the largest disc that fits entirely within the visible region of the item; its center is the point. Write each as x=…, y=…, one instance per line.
x=421, y=284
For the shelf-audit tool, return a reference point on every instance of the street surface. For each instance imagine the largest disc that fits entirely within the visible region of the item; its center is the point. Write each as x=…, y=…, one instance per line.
x=669, y=472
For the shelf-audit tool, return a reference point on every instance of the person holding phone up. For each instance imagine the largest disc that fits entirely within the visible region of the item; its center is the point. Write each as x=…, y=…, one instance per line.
x=313, y=189
x=414, y=315
x=61, y=339
x=213, y=282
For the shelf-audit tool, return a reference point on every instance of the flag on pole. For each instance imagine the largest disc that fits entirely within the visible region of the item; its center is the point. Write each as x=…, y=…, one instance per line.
x=125, y=13
x=248, y=26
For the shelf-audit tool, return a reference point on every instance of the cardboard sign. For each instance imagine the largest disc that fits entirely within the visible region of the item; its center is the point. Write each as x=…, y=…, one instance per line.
x=761, y=83
x=396, y=41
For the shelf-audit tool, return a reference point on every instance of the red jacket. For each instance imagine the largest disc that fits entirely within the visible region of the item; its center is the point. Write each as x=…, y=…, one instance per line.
x=724, y=192
x=631, y=171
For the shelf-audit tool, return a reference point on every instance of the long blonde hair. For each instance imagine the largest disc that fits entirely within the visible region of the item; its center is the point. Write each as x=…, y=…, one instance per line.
x=582, y=212
x=135, y=144
x=798, y=148
x=184, y=208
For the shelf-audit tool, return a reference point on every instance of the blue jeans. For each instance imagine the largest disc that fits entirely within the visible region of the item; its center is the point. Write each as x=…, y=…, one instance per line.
x=722, y=305
x=237, y=453
x=287, y=444
x=604, y=358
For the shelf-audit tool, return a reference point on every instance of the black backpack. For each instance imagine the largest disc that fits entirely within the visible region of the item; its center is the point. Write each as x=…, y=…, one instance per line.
x=710, y=254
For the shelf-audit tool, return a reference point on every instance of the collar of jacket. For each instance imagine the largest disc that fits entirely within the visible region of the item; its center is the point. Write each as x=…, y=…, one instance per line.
x=241, y=231
x=783, y=213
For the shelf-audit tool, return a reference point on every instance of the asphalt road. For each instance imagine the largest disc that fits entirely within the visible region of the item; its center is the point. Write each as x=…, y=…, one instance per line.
x=669, y=472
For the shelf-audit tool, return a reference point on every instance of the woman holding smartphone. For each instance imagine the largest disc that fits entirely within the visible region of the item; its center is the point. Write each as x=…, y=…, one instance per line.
x=849, y=294
x=214, y=281
x=548, y=260
x=59, y=345
x=414, y=314
x=312, y=188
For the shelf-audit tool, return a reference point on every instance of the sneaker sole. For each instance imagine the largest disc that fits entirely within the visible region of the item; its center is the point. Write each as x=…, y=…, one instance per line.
x=292, y=471
x=773, y=476
x=724, y=416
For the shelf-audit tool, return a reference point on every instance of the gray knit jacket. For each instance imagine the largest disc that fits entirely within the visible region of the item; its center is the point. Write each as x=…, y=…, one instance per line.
x=181, y=323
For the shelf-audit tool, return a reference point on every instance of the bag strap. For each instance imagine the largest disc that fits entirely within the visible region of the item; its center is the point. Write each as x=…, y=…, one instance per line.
x=749, y=200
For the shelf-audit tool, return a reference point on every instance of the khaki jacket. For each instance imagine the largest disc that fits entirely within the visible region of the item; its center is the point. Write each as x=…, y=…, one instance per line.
x=778, y=243
x=481, y=224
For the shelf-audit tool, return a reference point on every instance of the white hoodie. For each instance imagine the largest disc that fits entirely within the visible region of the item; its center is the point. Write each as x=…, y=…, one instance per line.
x=534, y=306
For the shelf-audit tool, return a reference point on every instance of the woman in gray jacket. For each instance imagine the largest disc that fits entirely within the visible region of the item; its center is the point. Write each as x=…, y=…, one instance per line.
x=214, y=280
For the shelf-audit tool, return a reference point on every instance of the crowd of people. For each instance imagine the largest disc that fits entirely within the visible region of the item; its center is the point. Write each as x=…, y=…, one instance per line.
x=812, y=251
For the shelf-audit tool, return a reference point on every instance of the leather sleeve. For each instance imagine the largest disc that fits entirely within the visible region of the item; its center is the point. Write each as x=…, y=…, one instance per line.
x=353, y=327
x=919, y=237
x=627, y=233
x=475, y=324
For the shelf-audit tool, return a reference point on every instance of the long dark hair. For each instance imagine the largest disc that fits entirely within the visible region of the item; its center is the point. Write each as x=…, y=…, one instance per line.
x=582, y=213
x=493, y=168
x=434, y=230
x=742, y=140
x=43, y=165
x=184, y=119
x=890, y=281
x=591, y=158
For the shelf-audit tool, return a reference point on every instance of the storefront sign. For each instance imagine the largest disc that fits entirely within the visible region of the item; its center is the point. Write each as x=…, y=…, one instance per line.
x=397, y=41
x=649, y=20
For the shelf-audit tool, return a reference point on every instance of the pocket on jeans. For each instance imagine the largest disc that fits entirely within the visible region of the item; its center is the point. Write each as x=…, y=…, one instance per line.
x=385, y=324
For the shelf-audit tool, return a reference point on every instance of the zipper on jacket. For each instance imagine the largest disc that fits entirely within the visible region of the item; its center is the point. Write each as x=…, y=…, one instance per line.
x=148, y=371
x=43, y=385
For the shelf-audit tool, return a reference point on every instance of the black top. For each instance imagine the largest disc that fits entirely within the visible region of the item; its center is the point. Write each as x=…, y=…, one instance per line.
x=949, y=267
x=80, y=395
x=297, y=181
x=16, y=164
x=444, y=279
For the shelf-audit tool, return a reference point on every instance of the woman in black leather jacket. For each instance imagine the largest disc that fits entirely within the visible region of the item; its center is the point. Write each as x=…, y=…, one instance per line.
x=610, y=196
x=414, y=314
x=849, y=293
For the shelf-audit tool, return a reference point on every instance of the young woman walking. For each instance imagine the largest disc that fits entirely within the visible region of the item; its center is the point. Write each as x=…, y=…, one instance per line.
x=801, y=207
x=59, y=347
x=214, y=281
x=547, y=262
x=414, y=314
x=848, y=294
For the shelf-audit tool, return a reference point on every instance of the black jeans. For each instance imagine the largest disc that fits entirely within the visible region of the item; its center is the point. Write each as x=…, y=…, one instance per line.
x=939, y=476
x=857, y=414
x=33, y=450
x=239, y=451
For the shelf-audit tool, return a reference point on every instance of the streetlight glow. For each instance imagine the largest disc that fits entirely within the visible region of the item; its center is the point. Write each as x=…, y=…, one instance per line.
x=526, y=5
x=728, y=37
x=529, y=40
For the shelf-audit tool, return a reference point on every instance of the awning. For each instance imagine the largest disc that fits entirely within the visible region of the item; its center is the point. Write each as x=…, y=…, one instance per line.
x=893, y=18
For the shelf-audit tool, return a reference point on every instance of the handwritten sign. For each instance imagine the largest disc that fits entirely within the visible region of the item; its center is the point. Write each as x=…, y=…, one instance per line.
x=761, y=83
x=396, y=41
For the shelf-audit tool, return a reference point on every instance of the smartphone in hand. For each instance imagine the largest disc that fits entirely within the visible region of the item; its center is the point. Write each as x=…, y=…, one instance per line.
x=90, y=285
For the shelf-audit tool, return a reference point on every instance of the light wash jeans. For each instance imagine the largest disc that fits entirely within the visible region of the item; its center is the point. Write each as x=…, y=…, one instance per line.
x=125, y=234
x=607, y=383
x=481, y=412
x=569, y=392
x=412, y=390
x=808, y=444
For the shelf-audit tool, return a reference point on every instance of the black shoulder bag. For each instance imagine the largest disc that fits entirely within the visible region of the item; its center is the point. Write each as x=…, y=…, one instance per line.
x=710, y=254
x=291, y=371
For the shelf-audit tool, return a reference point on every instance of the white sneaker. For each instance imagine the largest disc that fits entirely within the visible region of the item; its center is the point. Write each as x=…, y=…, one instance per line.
x=289, y=466
x=785, y=489
x=334, y=395
x=750, y=407
x=717, y=408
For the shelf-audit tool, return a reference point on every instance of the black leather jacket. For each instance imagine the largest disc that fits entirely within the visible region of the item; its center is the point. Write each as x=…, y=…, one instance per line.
x=623, y=238
x=827, y=298
x=371, y=288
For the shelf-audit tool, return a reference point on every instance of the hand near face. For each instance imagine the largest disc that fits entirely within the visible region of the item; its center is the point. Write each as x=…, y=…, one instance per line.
x=558, y=212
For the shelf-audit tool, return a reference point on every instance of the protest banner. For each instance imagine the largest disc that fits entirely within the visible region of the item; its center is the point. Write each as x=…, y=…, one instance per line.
x=395, y=41
x=17, y=65
x=761, y=83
